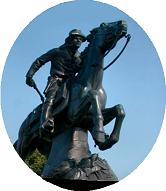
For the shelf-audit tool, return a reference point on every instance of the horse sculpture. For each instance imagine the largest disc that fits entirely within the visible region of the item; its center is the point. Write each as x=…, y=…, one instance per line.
x=84, y=110
x=87, y=93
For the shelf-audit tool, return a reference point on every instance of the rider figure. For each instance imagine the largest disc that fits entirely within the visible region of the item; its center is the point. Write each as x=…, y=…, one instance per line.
x=65, y=63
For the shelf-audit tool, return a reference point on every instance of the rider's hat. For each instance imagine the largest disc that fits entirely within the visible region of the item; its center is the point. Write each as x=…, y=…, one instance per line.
x=77, y=32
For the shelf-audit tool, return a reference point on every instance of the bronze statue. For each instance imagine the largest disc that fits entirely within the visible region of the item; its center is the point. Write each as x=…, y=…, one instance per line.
x=77, y=106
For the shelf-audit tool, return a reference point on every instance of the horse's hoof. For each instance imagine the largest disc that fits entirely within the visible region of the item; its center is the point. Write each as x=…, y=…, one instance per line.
x=103, y=146
x=106, y=145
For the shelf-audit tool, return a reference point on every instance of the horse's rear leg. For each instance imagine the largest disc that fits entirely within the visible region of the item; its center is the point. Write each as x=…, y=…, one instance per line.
x=118, y=113
x=22, y=151
x=25, y=146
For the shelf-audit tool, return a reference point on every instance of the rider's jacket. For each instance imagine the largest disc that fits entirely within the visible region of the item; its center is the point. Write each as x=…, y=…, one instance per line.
x=63, y=63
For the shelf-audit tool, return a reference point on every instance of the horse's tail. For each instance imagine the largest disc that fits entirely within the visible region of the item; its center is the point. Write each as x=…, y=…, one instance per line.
x=15, y=145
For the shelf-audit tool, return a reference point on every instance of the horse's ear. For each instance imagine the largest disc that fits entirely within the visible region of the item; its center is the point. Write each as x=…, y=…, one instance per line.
x=90, y=37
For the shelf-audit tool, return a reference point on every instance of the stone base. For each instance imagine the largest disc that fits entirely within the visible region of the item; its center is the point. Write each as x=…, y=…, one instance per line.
x=92, y=168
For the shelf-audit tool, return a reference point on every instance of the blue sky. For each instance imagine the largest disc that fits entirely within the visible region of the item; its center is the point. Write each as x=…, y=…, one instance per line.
x=136, y=80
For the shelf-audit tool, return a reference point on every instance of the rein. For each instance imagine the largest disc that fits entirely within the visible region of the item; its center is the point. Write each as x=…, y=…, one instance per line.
x=127, y=41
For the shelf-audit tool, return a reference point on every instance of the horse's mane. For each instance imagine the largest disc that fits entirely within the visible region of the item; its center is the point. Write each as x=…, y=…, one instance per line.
x=89, y=39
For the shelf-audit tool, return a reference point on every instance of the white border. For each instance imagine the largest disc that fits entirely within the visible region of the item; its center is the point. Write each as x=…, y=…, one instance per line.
x=14, y=16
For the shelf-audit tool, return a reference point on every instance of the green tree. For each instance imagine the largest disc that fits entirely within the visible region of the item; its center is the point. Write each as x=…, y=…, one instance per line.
x=36, y=162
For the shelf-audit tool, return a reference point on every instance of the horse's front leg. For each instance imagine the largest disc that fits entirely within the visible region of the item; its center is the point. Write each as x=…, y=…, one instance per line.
x=97, y=130
x=118, y=113
x=79, y=108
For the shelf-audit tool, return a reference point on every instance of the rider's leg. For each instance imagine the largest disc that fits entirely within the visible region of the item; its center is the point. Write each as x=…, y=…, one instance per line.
x=47, y=120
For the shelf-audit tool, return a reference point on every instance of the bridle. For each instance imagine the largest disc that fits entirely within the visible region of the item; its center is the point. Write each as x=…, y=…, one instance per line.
x=128, y=37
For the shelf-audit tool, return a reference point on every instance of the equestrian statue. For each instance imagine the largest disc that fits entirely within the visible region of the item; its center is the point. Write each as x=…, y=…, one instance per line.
x=74, y=104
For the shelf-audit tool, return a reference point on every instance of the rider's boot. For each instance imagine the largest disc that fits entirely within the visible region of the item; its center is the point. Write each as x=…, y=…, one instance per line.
x=47, y=121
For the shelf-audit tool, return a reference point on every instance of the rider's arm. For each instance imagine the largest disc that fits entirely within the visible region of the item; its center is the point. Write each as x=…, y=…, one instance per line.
x=39, y=62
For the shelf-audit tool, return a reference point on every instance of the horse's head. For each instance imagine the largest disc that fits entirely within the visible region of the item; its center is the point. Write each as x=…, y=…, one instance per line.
x=107, y=34
x=101, y=40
